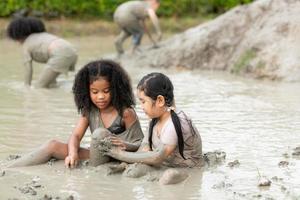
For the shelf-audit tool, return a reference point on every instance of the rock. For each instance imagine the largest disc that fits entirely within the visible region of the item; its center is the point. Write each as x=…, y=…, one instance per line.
x=214, y=158
x=283, y=163
x=264, y=182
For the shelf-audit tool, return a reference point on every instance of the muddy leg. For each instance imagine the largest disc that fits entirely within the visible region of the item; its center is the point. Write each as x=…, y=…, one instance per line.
x=42, y=154
x=96, y=157
x=137, y=170
x=136, y=41
x=47, y=77
x=173, y=176
x=116, y=168
x=119, y=42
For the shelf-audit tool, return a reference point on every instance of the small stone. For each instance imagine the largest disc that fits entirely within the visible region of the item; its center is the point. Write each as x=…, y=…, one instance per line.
x=283, y=163
x=286, y=155
x=235, y=163
x=283, y=189
x=264, y=182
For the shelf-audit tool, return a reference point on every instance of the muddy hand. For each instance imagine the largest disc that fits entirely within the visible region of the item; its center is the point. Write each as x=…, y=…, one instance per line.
x=105, y=145
x=118, y=142
x=71, y=161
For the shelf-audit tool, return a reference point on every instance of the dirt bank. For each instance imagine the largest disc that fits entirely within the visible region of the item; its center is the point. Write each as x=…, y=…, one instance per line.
x=260, y=39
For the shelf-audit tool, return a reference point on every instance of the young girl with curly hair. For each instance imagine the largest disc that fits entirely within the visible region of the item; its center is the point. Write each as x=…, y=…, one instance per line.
x=103, y=96
x=59, y=55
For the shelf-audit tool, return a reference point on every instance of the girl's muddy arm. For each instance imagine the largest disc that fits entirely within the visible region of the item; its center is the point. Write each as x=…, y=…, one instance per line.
x=155, y=22
x=150, y=157
x=28, y=72
x=74, y=142
x=131, y=146
x=27, y=62
x=124, y=145
x=148, y=33
x=144, y=147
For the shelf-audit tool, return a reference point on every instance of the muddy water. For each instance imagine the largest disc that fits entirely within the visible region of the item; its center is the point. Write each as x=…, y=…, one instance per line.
x=254, y=122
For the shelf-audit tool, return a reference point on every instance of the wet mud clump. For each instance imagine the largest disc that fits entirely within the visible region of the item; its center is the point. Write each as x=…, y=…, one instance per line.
x=296, y=152
x=214, y=158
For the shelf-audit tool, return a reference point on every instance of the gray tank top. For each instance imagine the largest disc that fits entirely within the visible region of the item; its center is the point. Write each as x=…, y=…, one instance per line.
x=133, y=134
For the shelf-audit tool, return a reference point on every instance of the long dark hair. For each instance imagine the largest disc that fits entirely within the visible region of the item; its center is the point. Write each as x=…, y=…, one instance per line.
x=21, y=27
x=120, y=85
x=155, y=84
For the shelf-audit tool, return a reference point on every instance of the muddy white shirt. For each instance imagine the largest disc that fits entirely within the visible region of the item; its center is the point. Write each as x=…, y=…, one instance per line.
x=192, y=142
x=35, y=47
x=131, y=11
x=60, y=57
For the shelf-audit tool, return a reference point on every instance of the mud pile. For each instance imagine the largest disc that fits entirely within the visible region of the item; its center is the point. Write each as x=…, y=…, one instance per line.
x=261, y=39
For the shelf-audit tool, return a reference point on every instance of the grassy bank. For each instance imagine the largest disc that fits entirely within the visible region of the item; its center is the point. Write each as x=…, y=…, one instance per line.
x=66, y=27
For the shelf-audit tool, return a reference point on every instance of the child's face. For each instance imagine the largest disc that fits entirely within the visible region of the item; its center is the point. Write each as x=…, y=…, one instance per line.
x=153, y=109
x=100, y=93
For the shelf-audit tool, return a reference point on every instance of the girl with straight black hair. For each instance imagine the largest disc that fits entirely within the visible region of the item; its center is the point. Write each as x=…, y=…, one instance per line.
x=172, y=139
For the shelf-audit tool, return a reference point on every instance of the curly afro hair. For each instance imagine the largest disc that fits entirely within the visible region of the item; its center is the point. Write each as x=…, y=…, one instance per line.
x=120, y=85
x=20, y=28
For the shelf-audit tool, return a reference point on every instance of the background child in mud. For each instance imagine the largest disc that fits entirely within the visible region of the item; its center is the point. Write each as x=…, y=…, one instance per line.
x=173, y=140
x=38, y=45
x=104, y=98
x=130, y=17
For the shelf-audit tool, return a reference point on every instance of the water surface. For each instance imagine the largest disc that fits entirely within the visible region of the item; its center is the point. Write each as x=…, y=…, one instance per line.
x=255, y=122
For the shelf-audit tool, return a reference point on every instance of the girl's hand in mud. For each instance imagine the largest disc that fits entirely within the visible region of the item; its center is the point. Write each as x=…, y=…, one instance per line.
x=71, y=161
x=113, y=151
x=118, y=142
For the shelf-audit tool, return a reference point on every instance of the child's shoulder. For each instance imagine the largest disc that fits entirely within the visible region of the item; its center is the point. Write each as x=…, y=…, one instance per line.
x=129, y=113
x=129, y=116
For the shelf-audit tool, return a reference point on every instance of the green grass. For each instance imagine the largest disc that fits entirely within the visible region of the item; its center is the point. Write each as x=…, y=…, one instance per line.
x=243, y=61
